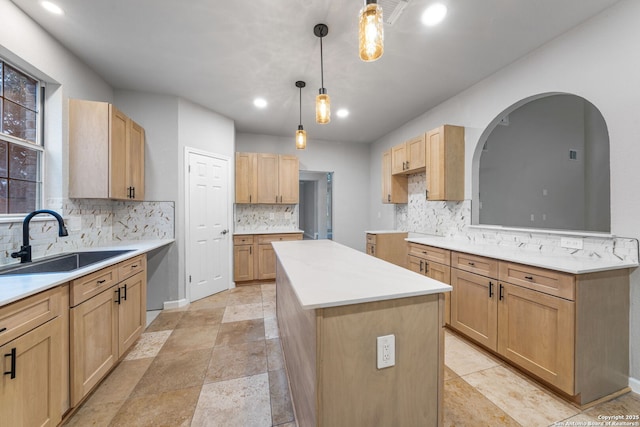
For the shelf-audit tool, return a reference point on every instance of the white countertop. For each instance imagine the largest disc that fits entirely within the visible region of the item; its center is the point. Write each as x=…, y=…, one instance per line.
x=385, y=232
x=15, y=287
x=324, y=273
x=560, y=262
x=288, y=231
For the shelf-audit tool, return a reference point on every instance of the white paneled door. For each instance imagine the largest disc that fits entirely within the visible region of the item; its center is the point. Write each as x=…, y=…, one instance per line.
x=208, y=252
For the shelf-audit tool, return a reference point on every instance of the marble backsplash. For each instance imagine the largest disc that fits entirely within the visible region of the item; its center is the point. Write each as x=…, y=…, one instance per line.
x=453, y=219
x=91, y=223
x=265, y=218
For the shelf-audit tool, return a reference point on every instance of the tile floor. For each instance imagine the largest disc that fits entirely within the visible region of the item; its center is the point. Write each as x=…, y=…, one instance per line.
x=219, y=362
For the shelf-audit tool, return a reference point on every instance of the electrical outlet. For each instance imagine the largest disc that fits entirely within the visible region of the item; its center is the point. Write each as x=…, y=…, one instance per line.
x=386, y=351
x=571, y=243
x=98, y=221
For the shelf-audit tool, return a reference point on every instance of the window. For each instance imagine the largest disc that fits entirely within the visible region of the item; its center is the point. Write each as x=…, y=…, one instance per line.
x=21, y=148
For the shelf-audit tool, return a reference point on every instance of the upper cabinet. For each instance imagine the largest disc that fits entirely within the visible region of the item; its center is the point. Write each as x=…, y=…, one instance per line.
x=445, y=163
x=267, y=178
x=394, y=187
x=409, y=157
x=106, y=152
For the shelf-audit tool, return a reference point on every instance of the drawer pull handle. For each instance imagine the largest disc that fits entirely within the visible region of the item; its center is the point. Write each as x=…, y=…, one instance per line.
x=99, y=282
x=12, y=371
x=472, y=264
x=490, y=289
x=528, y=277
x=2, y=329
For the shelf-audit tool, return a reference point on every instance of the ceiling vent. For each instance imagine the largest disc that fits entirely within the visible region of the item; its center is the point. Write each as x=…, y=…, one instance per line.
x=392, y=9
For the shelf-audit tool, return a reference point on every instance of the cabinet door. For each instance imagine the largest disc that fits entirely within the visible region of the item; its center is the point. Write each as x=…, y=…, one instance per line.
x=441, y=273
x=266, y=262
x=416, y=264
x=473, y=307
x=243, y=263
x=537, y=332
x=118, y=154
x=246, y=177
x=445, y=163
x=416, y=155
x=135, y=161
x=94, y=342
x=398, y=159
x=394, y=187
x=132, y=311
x=32, y=397
x=268, y=178
x=288, y=179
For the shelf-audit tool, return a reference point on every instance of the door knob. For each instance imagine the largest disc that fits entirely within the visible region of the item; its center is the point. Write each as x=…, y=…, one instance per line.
x=224, y=231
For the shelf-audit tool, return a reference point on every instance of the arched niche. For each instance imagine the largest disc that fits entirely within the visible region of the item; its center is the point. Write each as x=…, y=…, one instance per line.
x=543, y=163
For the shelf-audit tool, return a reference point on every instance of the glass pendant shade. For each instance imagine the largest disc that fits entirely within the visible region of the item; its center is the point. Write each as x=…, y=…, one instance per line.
x=301, y=138
x=323, y=108
x=371, y=32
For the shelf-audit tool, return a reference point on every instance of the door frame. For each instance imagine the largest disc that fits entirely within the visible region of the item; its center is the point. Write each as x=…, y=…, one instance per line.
x=187, y=212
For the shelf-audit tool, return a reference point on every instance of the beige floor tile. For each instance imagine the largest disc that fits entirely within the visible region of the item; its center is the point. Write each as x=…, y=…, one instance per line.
x=464, y=358
x=628, y=404
x=120, y=382
x=165, y=321
x=465, y=406
x=236, y=361
x=94, y=415
x=203, y=318
x=236, y=313
x=173, y=372
x=269, y=309
x=148, y=345
x=172, y=408
x=281, y=407
x=189, y=339
x=271, y=328
x=275, y=359
x=268, y=287
x=449, y=374
x=214, y=301
x=520, y=397
x=239, y=332
x=238, y=402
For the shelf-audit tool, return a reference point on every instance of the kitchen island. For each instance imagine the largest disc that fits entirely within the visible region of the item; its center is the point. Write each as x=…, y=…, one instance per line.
x=333, y=303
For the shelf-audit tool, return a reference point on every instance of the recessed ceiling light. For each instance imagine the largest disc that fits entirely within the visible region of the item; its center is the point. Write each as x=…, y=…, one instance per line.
x=343, y=112
x=434, y=14
x=260, y=102
x=52, y=7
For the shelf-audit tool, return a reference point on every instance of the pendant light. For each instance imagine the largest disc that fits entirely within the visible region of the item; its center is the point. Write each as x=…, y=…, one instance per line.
x=323, y=103
x=301, y=134
x=371, y=31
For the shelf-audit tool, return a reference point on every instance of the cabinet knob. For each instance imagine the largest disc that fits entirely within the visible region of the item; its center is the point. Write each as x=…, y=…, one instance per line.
x=3, y=329
x=472, y=264
x=528, y=277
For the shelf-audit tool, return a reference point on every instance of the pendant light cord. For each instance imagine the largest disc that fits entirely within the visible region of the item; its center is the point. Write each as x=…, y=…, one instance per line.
x=321, y=65
x=300, y=106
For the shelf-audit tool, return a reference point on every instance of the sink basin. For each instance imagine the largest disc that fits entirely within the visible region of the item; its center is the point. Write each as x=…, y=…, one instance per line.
x=63, y=262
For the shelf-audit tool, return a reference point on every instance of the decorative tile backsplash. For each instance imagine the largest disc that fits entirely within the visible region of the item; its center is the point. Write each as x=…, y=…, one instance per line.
x=452, y=219
x=264, y=218
x=101, y=222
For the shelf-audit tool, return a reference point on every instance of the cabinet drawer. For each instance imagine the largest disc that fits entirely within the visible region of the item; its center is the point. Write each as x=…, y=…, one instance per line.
x=371, y=249
x=22, y=316
x=243, y=240
x=92, y=284
x=548, y=281
x=475, y=264
x=130, y=267
x=371, y=239
x=443, y=256
x=268, y=238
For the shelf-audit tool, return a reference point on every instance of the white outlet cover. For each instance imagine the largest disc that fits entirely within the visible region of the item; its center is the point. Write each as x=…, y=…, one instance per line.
x=386, y=351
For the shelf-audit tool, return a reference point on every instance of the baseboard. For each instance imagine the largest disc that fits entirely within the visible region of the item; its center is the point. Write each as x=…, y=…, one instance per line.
x=175, y=304
x=634, y=384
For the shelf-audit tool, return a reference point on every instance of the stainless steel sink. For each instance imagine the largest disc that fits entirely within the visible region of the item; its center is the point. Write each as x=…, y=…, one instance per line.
x=63, y=262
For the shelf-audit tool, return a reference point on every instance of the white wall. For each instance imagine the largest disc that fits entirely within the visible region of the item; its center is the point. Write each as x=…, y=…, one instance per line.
x=350, y=164
x=592, y=61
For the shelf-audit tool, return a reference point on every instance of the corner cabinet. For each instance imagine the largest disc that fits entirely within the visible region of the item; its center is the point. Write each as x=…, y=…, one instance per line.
x=254, y=259
x=267, y=178
x=106, y=152
x=388, y=246
x=32, y=391
x=445, y=163
x=394, y=187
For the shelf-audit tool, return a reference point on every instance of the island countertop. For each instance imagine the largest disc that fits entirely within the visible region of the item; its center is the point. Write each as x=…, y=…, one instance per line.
x=324, y=273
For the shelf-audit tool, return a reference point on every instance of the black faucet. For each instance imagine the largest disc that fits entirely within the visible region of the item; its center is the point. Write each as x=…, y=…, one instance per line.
x=25, y=250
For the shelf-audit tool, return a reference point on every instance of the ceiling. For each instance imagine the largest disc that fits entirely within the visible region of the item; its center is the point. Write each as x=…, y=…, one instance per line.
x=223, y=54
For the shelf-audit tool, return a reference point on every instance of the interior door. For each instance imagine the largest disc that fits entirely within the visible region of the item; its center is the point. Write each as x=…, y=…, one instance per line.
x=208, y=255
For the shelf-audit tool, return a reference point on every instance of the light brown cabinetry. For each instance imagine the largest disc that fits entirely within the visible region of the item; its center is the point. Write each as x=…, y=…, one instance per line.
x=409, y=157
x=254, y=257
x=32, y=389
x=445, y=163
x=434, y=263
x=105, y=322
x=394, y=187
x=390, y=247
x=570, y=331
x=106, y=152
x=267, y=178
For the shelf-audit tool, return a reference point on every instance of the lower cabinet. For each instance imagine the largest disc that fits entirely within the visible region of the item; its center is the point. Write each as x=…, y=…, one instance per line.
x=434, y=263
x=105, y=325
x=32, y=388
x=254, y=258
x=388, y=246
